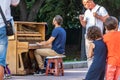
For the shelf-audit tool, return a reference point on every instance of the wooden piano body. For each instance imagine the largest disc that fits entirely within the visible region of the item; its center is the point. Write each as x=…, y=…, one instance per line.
x=27, y=33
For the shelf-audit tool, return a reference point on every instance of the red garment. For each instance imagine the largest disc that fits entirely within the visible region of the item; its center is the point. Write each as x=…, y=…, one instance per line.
x=112, y=40
x=112, y=73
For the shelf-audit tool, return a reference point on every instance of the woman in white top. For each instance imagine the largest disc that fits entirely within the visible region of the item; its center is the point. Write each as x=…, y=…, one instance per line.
x=5, y=5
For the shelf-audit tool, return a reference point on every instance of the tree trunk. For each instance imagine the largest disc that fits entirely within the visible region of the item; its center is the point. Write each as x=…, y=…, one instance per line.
x=24, y=15
x=33, y=13
x=23, y=10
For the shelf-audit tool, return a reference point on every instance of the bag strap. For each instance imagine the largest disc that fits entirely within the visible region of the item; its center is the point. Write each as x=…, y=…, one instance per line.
x=3, y=16
x=97, y=11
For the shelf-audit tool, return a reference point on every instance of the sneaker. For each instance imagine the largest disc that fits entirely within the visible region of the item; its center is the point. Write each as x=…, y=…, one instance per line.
x=7, y=76
x=40, y=72
x=43, y=70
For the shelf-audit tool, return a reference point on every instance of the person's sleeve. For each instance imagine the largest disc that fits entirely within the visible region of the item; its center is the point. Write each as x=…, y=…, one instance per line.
x=54, y=33
x=15, y=2
x=103, y=11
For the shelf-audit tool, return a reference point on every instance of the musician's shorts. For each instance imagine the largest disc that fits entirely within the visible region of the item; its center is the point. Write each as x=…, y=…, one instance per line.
x=3, y=46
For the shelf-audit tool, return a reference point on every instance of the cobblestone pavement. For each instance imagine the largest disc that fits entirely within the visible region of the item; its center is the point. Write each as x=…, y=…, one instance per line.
x=69, y=74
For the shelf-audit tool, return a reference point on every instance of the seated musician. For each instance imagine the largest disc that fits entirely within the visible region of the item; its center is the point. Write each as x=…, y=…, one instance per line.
x=57, y=39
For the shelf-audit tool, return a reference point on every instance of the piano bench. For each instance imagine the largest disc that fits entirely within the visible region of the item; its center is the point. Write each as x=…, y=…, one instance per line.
x=55, y=65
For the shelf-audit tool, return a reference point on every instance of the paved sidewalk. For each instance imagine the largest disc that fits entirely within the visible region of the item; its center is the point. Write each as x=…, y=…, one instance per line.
x=69, y=74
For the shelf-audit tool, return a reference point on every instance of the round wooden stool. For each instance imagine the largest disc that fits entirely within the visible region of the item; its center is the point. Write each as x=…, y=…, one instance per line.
x=55, y=65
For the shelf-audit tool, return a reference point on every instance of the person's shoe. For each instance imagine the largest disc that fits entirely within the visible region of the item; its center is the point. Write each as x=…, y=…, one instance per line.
x=7, y=76
x=43, y=70
x=40, y=72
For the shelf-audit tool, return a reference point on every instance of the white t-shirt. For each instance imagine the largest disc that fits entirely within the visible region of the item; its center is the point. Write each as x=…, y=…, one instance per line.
x=91, y=20
x=119, y=27
x=5, y=5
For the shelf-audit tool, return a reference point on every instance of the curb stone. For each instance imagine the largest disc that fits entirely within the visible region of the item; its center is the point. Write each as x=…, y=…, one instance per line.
x=77, y=64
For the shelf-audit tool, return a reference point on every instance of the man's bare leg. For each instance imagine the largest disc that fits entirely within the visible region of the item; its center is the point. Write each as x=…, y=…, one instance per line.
x=1, y=72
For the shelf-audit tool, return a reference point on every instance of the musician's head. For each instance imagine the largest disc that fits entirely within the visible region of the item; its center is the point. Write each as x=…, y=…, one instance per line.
x=57, y=20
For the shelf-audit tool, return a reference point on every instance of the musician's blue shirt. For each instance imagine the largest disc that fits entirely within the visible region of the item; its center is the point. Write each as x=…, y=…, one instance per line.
x=60, y=39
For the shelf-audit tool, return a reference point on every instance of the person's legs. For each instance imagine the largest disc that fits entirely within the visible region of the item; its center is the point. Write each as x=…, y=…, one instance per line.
x=102, y=75
x=87, y=43
x=43, y=52
x=110, y=72
x=3, y=51
x=117, y=73
x=1, y=72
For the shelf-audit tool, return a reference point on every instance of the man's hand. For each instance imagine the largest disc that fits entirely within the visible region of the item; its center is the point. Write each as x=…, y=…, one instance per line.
x=82, y=21
x=15, y=2
x=40, y=43
x=81, y=17
x=102, y=18
x=96, y=15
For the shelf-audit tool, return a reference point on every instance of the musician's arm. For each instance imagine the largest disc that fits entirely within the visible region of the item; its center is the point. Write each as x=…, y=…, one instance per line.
x=48, y=42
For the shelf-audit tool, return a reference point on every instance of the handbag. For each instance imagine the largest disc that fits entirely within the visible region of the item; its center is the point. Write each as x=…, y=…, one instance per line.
x=9, y=27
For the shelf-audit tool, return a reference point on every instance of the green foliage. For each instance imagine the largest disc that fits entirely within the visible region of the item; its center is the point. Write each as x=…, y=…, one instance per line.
x=48, y=11
x=115, y=3
x=69, y=10
x=112, y=6
x=118, y=4
x=29, y=4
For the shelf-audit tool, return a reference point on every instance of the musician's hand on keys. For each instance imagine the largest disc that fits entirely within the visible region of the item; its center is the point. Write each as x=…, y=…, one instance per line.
x=42, y=43
x=38, y=43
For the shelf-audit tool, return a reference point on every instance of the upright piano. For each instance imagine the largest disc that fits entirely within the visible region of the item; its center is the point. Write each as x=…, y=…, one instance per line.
x=23, y=43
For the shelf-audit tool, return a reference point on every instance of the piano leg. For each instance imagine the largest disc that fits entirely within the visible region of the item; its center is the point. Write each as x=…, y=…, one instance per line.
x=20, y=65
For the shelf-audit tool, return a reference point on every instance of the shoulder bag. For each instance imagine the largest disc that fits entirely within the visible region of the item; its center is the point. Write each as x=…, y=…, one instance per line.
x=9, y=27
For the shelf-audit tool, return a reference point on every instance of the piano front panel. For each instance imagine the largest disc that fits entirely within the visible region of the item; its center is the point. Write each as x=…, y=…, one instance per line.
x=31, y=33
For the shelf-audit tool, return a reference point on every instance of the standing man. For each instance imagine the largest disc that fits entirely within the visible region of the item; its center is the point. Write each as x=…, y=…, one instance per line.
x=94, y=15
x=5, y=5
x=57, y=39
x=83, y=51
